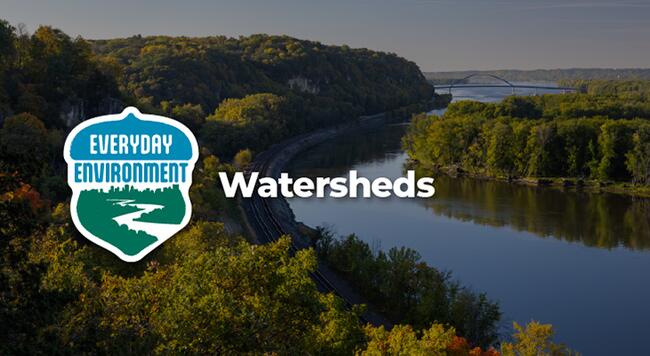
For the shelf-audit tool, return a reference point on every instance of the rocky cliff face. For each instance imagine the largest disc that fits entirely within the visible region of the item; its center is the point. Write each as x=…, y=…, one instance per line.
x=304, y=85
x=74, y=111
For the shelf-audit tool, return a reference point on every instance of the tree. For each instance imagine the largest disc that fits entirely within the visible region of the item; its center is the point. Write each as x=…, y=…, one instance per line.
x=519, y=107
x=403, y=340
x=501, y=150
x=242, y=159
x=638, y=158
x=7, y=45
x=254, y=121
x=190, y=115
x=23, y=144
x=543, y=151
x=534, y=340
x=408, y=291
x=615, y=140
x=569, y=135
x=575, y=136
x=202, y=292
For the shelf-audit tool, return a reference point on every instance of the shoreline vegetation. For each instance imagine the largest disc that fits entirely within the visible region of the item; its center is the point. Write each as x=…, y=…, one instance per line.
x=407, y=290
x=597, y=140
x=592, y=186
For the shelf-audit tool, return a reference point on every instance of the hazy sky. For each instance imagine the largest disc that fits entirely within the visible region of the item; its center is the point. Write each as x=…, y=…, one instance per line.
x=436, y=34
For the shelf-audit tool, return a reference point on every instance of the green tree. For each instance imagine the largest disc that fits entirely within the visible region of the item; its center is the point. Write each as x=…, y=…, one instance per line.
x=615, y=140
x=542, y=150
x=638, y=158
x=501, y=150
x=575, y=137
x=208, y=199
x=23, y=144
x=569, y=135
x=408, y=291
x=190, y=115
x=254, y=121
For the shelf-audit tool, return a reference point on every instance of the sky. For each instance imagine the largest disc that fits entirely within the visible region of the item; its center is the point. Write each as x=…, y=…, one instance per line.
x=438, y=35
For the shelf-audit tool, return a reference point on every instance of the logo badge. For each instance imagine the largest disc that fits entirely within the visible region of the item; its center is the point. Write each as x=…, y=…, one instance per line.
x=130, y=176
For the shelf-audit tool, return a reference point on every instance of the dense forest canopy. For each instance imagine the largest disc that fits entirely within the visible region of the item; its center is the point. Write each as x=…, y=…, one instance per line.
x=313, y=85
x=51, y=75
x=204, y=71
x=628, y=91
x=603, y=134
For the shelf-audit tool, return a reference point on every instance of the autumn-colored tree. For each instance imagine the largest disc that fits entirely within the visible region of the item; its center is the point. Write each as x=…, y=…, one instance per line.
x=202, y=292
x=242, y=159
x=403, y=340
x=409, y=291
x=534, y=339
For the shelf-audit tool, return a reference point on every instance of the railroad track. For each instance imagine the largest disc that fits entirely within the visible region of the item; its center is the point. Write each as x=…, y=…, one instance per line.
x=270, y=228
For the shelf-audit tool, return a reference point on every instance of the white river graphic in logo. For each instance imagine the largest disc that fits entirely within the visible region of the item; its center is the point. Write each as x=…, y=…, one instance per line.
x=130, y=176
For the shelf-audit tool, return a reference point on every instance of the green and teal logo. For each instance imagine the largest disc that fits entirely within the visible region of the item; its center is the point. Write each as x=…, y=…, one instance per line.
x=130, y=176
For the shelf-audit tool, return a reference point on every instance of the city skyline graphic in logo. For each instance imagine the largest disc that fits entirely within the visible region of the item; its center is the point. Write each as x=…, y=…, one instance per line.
x=130, y=175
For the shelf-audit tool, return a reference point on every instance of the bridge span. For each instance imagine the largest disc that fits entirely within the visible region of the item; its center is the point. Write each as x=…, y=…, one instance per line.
x=514, y=86
x=460, y=83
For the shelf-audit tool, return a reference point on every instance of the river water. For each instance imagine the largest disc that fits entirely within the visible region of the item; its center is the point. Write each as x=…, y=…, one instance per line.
x=576, y=260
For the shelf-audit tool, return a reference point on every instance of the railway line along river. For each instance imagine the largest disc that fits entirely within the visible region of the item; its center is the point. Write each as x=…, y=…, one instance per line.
x=574, y=259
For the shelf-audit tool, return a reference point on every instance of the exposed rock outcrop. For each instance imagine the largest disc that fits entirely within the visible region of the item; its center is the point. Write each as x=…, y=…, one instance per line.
x=304, y=85
x=75, y=110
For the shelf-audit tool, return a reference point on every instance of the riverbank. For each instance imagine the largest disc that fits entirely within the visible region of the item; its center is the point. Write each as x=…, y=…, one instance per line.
x=475, y=316
x=267, y=219
x=279, y=156
x=539, y=251
x=563, y=183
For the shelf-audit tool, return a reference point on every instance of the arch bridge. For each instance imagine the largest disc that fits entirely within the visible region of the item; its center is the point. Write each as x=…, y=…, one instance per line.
x=459, y=83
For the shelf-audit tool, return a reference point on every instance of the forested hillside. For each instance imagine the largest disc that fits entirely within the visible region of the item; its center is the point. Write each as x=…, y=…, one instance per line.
x=52, y=76
x=271, y=87
x=204, y=71
x=288, y=85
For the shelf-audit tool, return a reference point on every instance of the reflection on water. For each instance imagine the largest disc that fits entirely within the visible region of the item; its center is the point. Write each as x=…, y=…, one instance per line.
x=335, y=157
x=597, y=220
x=573, y=259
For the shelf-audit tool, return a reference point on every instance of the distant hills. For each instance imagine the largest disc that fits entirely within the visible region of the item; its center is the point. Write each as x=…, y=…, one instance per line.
x=543, y=75
x=160, y=70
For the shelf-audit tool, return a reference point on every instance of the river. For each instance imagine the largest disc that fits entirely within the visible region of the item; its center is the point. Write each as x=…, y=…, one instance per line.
x=572, y=259
x=159, y=230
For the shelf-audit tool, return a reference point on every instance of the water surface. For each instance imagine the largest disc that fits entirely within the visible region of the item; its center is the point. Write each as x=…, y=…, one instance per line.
x=576, y=260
